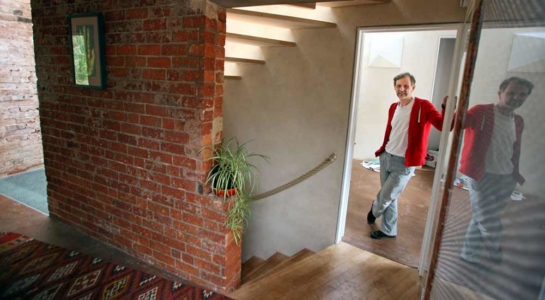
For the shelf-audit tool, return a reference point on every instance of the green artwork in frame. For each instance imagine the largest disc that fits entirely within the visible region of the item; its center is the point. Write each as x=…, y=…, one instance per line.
x=87, y=50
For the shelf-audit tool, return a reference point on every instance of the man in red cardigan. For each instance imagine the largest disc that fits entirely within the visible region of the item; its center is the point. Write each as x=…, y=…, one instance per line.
x=490, y=158
x=405, y=146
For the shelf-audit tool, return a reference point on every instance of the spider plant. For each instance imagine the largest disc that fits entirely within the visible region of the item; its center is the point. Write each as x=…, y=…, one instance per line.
x=233, y=171
x=238, y=215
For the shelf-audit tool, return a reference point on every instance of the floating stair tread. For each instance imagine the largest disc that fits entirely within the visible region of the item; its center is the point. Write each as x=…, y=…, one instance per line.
x=270, y=263
x=352, y=3
x=257, y=41
x=276, y=20
x=336, y=272
x=251, y=265
x=235, y=77
x=244, y=60
x=294, y=259
x=305, y=5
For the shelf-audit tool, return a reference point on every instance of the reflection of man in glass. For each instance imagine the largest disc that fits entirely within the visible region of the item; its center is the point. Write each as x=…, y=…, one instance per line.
x=490, y=158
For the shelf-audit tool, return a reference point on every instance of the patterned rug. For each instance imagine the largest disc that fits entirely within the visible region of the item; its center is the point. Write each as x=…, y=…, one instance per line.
x=30, y=269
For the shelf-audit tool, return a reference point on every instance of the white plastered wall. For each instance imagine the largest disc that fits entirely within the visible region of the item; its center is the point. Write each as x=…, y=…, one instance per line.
x=419, y=57
x=295, y=108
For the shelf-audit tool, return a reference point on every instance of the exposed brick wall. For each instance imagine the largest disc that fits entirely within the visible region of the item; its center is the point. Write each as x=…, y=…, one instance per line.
x=20, y=137
x=122, y=163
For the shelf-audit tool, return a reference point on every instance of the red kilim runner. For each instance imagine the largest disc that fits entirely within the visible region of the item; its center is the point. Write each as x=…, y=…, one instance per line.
x=30, y=269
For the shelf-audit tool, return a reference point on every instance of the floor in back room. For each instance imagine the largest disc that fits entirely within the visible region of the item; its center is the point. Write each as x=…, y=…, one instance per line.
x=412, y=207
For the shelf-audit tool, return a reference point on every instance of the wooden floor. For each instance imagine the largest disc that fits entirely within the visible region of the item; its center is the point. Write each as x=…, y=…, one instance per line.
x=413, y=211
x=338, y=272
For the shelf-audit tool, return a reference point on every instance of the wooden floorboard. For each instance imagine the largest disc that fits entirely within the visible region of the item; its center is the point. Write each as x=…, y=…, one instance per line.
x=412, y=207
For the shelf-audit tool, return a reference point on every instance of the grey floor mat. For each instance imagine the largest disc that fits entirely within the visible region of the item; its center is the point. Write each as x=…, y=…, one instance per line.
x=29, y=188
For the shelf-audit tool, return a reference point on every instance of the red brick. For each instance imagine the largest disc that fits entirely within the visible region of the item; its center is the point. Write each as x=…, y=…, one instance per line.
x=142, y=249
x=200, y=253
x=176, y=137
x=173, y=243
x=182, y=88
x=155, y=24
x=135, y=61
x=187, y=268
x=164, y=258
x=149, y=49
x=185, y=36
x=160, y=209
x=188, y=259
x=155, y=110
x=187, y=185
x=159, y=62
x=212, y=215
x=192, y=219
x=174, y=148
x=204, y=265
x=185, y=62
x=161, y=11
x=126, y=50
x=131, y=129
x=173, y=49
x=155, y=74
x=185, y=162
x=136, y=13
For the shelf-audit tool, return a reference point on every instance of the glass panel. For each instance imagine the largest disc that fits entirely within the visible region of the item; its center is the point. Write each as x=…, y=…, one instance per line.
x=493, y=243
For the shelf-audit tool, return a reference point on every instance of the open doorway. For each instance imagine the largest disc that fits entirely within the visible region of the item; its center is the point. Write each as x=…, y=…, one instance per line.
x=429, y=54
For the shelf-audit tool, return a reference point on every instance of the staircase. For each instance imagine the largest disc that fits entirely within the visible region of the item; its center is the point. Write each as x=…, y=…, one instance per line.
x=250, y=29
x=337, y=272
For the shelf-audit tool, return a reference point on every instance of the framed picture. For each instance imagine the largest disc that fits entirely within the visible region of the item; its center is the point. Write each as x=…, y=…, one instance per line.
x=87, y=50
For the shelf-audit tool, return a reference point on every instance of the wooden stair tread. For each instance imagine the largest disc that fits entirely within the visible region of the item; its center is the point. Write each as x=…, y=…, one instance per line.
x=251, y=265
x=257, y=41
x=270, y=263
x=244, y=60
x=352, y=3
x=276, y=20
x=305, y=5
x=337, y=272
x=291, y=261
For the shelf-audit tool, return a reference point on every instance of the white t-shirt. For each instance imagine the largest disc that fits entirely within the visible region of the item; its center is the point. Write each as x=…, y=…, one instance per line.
x=500, y=151
x=399, y=136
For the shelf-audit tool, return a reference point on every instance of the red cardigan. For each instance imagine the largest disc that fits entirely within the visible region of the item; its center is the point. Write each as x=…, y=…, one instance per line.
x=423, y=115
x=479, y=125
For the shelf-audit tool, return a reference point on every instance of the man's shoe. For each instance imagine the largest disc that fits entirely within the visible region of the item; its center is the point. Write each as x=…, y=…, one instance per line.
x=370, y=218
x=377, y=235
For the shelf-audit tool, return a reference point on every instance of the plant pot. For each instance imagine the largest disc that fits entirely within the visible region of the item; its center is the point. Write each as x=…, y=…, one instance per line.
x=224, y=193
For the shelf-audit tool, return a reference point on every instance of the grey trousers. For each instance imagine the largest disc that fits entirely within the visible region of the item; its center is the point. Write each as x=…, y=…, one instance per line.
x=488, y=200
x=394, y=176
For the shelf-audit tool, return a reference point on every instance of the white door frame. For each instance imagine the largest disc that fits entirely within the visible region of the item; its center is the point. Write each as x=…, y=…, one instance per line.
x=347, y=172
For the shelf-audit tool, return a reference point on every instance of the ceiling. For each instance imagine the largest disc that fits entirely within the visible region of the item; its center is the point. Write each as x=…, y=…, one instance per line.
x=241, y=3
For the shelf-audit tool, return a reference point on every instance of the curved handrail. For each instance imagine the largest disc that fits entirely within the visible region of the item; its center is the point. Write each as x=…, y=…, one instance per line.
x=299, y=179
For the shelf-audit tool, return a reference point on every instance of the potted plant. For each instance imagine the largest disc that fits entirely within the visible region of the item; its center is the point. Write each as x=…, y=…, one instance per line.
x=234, y=178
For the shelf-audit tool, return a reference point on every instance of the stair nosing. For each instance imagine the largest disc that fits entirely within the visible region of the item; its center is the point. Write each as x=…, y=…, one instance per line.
x=272, y=42
x=244, y=60
x=262, y=266
x=257, y=14
x=283, y=265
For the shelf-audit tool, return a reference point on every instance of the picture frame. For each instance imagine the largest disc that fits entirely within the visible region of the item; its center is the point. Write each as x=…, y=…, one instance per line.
x=87, y=50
